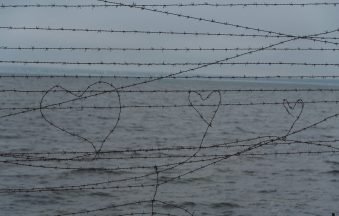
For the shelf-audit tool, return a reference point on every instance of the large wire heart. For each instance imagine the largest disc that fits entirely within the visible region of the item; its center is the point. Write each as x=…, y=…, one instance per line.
x=80, y=97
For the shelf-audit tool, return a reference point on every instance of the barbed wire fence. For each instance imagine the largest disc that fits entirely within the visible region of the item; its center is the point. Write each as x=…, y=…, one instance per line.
x=108, y=138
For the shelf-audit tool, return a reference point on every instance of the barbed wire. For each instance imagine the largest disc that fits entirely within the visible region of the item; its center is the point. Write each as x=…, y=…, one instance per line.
x=162, y=32
x=92, y=186
x=162, y=49
x=159, y=106
x=17, y=161
x=205, y=4
x=177, y=161
x=258, y=145
x=179, y=90
x=20, y=163
x=173, y=64
x=289, y=107
x=218, y=61
x=213, y=21
x=137, y=31
x=164, y=167
x=210, y=157
x=90, y=76
x=180, y=72
x=172, y=167
x=159, y=153
x=135, y=150
x=161, y=150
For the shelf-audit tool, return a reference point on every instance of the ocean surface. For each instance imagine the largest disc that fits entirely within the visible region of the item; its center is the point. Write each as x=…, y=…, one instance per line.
x=240, y=153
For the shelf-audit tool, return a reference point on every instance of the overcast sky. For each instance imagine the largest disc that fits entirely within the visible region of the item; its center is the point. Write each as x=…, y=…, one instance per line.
x=289, y=20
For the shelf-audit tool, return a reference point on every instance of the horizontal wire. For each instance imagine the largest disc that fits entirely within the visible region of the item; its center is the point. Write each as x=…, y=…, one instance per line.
x=206, y=4
x=79, y=76
x=98, y=49
x=14, y=162
x=147, y=157
x=173, y=64
x=161, y=32
x=138, y=31
x=59, y=107
x=71, y=188
x=157, y=150
x=175, y=90
x=160, y=155
x=134, y=150
x=208, y=158
x=237, y=4
x=17, y=162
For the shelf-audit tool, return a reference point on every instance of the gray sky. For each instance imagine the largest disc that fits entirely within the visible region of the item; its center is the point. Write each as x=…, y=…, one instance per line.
x=290, y=20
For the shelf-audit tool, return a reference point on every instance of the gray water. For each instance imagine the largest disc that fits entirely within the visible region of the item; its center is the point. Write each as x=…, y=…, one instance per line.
x=261, y=183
